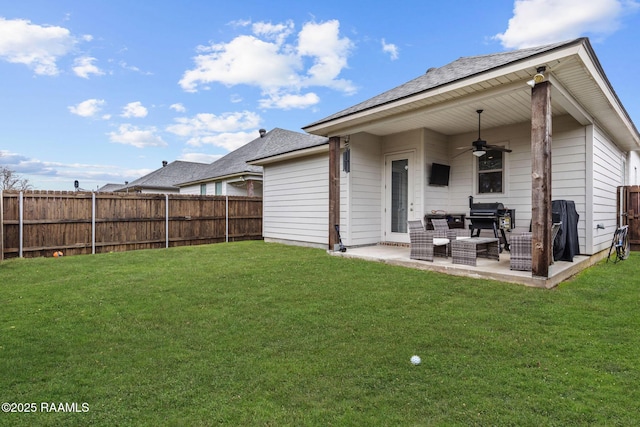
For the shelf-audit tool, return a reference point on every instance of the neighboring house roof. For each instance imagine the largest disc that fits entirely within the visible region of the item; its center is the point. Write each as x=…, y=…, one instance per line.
x=107, y=188
x=236, y=162
x=167, y=177
x=444, y=99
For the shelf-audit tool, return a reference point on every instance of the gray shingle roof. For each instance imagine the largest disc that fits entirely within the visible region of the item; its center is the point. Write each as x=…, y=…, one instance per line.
x=276, y=141
x=167, y=177
x=280, y=141
x=109, y=188
x=234, y=163
x=461, y=68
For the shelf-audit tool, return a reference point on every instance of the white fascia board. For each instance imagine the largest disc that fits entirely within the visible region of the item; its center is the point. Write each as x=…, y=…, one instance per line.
x=220, y=178
x=291, y=155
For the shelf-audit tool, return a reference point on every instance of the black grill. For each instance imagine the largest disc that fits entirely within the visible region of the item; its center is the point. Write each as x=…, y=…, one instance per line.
x=490, y=216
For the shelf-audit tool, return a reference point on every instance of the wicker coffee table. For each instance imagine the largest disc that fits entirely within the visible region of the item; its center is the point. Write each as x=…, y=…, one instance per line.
x=466, y=251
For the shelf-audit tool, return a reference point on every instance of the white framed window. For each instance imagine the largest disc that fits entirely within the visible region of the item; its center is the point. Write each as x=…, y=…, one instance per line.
x=203, y=189
x=491, y=172
x=219, y=188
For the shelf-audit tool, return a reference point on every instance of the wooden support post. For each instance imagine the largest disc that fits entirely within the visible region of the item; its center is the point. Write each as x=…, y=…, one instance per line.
x=334, y=189
x=542, y=250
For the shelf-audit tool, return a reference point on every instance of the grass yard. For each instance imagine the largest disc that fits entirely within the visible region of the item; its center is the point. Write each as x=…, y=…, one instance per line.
x=262, y=334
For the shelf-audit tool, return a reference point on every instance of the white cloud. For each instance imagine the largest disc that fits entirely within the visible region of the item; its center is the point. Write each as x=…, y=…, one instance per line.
x=38, y=171
x=178, y=107
x=134, y=109
x=126, y=66
x=266, y=60
x=84, y=66
x=289, y=101
x=200, y=157
x=88, y=108
x=245, y=60
x=36, y=46
x=391, y=49
x=538, y=22
x=322, y=42
x=275, y=32
x=132, y=135
x=226, y=130
x=228, y=140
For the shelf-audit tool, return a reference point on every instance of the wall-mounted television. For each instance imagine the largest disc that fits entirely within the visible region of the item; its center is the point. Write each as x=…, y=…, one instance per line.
x=439, y=174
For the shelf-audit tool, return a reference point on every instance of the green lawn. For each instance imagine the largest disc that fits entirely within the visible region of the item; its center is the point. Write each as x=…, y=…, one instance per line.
x=262, y=334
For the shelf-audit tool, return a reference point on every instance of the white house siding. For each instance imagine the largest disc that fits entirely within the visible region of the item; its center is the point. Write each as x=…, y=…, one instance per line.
x=607, y=176
x=570, y=168
x=296, y=201
x=361, y=192
x=436, y=197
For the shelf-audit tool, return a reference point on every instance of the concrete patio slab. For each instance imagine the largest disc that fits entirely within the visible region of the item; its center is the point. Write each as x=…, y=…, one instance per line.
x=485, y=268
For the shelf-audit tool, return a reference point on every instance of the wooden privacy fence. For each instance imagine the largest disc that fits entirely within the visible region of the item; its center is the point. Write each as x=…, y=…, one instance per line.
x=39, y=223
x=629, y=212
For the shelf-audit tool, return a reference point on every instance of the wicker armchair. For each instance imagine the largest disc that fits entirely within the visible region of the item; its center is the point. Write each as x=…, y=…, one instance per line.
x=520, y=248
x=520, y=251
x=424, y=244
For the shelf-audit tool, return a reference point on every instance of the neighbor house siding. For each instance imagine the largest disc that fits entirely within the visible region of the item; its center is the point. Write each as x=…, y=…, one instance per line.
x=363, y=187
x=192, y=189
x=296, y=201
x=233, y=190
x=607, y=176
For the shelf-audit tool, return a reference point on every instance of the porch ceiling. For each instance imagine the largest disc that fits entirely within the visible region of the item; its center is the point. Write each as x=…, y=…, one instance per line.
x=460, y=117
x=579, y=88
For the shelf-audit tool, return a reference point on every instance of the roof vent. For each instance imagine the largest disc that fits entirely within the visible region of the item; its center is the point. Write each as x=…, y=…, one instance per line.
x=164, y=163
x=263, y=132
x=430, y=70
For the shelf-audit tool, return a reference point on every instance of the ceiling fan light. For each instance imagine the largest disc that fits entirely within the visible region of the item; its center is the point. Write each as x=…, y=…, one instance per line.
x=479, y=153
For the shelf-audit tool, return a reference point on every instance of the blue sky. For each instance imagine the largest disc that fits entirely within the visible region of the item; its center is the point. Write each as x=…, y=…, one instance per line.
x=104, y=91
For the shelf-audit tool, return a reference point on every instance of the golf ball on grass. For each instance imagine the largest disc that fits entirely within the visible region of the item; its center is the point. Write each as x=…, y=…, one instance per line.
x=416, y=360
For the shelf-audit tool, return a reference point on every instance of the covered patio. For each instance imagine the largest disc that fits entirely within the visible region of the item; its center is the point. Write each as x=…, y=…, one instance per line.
x=398, y=255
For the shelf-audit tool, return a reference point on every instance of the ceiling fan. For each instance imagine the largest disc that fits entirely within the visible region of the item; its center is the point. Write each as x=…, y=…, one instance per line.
x=480, y=146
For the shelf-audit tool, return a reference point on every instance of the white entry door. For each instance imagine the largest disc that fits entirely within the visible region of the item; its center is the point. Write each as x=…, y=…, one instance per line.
x=398, y=196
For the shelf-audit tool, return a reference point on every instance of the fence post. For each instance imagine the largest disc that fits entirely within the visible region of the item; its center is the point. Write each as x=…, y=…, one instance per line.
x=1, y=225
x=21, y=225
x=166, y=221
x=226, y=232
x=93, y=223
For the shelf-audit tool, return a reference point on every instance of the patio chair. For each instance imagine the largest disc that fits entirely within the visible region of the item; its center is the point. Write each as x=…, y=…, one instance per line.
x=520, y=246
x=520, y=252
x=424, y=244
x=441, y=229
